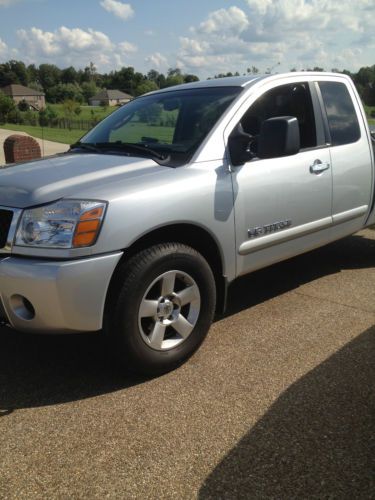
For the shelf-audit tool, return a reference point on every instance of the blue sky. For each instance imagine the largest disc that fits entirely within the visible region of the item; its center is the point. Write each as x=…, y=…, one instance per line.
x=199, y=37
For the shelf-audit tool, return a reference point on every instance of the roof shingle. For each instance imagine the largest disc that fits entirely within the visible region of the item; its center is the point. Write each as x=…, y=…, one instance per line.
x=111, y=95
x=20, y=90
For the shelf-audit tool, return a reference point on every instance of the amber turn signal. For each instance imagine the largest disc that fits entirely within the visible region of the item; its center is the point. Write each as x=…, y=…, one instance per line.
x=88, y=228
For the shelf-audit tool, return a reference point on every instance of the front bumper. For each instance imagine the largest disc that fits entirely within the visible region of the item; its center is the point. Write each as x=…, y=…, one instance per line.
x=56, y=296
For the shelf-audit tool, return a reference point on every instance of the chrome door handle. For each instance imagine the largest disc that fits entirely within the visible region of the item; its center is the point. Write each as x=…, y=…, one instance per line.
x=318, y=167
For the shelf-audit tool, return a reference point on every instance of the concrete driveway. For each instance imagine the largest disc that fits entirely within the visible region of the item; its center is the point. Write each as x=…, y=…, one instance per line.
x=47, y=148
x=278, y=403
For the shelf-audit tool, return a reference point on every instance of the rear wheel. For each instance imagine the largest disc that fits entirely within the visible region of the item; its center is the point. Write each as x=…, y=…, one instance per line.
x=161, y=307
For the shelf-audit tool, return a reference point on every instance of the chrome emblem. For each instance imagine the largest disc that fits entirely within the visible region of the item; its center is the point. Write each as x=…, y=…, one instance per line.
x=253, y=232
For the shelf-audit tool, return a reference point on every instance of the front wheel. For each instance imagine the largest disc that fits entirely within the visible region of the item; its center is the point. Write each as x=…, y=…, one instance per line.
x=161, y=307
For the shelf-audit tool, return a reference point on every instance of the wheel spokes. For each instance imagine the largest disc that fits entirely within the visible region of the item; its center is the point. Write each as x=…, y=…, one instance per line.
x=188, y=295
x=169, y=310
x=148, y=308
x=182, y=326
x=167, y=285
x=157, y=335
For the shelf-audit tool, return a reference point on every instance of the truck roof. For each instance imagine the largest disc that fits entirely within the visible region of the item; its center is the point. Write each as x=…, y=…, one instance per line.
x=243, y=81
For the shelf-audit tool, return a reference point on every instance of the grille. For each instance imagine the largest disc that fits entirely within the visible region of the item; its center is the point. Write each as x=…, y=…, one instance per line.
x=6, y=217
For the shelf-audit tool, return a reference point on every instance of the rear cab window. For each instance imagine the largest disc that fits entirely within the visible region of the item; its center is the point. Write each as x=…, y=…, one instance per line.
x=341, y=115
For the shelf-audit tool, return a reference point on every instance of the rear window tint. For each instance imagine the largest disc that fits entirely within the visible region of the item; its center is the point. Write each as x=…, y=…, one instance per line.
x=342, y=118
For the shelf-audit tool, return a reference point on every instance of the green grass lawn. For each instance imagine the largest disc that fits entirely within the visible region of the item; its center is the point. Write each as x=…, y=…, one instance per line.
x=64, y=136
x=87, y=112
x=49, y=134
x=136, y=131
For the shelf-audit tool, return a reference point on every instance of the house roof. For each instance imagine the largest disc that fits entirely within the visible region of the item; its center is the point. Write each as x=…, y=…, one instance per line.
x=20, y=90
x=111, y=94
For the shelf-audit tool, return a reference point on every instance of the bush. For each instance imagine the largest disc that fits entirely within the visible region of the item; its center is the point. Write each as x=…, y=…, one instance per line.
x=16, y=116
x=43, y=119
x=6, y=106
x=64, y=91
x=23, y=105
x=51, y=115
x=71, y=107
x=372, y=114
x=30, y=117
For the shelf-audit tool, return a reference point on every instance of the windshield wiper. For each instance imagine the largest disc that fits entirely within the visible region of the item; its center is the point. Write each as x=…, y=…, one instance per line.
x=85, y=145
x=136, y=148
x=128, y=147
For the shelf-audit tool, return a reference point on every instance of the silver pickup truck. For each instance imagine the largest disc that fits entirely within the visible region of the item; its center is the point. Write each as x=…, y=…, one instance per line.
x=137, y=231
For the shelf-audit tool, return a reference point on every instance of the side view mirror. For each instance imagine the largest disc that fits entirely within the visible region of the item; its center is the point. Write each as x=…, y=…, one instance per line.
x=239, y=146
x=279, y=136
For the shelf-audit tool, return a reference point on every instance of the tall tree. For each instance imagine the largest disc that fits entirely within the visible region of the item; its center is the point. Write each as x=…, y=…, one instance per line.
x=49, y=75
x=69, y=75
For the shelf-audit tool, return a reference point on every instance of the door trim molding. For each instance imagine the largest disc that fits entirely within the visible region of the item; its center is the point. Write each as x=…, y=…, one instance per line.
x=285, y=235
x=296, y=232
x=353, y=213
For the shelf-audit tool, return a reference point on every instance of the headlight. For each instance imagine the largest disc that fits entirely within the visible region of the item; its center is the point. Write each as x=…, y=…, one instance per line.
x=64, y=224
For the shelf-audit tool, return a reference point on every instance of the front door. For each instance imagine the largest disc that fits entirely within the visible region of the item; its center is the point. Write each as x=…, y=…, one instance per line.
x=281, y=203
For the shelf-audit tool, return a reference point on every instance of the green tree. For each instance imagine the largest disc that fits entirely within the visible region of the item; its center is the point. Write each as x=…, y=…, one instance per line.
x=13, y=72
x=153, y=75
x=190, y=78
x=144, y=87
x=49, y=75
x=47, y=117
x=19, y=68
x=69, y=75
x=174, y=77
x=89, y=89
x=32, y=74
x=89, y=73
x=63, y=91
x=6, y=106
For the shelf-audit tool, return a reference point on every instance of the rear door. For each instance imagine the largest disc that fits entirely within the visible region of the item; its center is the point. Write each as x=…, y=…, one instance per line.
x=350, y=155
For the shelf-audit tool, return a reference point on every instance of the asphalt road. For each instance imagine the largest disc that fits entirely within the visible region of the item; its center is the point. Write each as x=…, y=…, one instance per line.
x=278, y=403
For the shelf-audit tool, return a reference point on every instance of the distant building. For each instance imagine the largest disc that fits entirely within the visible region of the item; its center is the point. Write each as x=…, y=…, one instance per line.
x=34, y=98
x=110, y=98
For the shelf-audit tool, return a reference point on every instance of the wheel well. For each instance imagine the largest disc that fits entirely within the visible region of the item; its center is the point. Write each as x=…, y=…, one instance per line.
x=195, y=237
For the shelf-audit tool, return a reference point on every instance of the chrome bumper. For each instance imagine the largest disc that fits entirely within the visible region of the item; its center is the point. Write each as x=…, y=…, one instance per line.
x=56, y=296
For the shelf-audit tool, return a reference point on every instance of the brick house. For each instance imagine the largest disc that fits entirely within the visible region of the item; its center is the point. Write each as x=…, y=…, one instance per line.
x=109, y=98
x=35, y=98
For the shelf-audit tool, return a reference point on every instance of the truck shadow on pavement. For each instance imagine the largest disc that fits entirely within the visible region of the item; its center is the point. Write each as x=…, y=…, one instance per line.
x=354, y=252
x=38, y=370
x=316, y=441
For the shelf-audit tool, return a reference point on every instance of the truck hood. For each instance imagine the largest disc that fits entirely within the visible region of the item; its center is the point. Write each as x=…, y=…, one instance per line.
x=68, y=175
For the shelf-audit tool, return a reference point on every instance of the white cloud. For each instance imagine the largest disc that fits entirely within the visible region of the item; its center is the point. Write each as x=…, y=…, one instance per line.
x=63, y=41
x=157, y=60
x=122, y=10
x=127, y=47
x=3, y=49
x=294, y=33
x=77, y=47
x=195, y=46
x=225, y=20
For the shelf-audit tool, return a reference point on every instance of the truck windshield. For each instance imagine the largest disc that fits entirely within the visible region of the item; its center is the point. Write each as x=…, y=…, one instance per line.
x=167, y=126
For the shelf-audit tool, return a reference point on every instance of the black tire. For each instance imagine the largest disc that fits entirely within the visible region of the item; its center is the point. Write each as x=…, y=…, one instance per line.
x=131, y=282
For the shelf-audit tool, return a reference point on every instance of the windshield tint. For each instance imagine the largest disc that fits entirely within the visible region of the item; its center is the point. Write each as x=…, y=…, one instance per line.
x=172, y=123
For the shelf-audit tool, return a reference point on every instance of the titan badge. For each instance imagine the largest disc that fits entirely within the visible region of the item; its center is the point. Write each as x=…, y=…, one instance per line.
x=254, y=232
